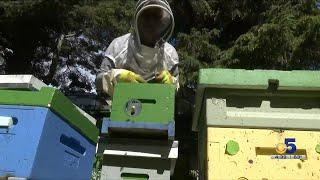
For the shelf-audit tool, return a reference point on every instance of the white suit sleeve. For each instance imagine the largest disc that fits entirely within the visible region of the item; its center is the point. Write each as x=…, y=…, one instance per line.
x=106, y=79
x=175, y=70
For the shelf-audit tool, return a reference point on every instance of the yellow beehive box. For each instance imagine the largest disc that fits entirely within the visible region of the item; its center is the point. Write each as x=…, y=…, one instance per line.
x=254, y=157
x=258, y=124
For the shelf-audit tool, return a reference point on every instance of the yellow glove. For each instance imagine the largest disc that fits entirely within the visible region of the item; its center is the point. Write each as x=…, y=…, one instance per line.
x=165, y=77
x=130, y=77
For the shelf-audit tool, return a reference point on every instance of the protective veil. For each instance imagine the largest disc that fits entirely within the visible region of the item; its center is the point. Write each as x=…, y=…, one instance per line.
x=128, y=52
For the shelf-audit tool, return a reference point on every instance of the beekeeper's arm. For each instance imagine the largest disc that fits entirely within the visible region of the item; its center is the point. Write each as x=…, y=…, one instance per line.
x=171, y=74
x=175, y=69
x=109, y=75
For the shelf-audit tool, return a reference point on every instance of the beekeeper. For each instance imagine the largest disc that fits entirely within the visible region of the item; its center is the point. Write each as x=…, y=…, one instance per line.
x=143, y=54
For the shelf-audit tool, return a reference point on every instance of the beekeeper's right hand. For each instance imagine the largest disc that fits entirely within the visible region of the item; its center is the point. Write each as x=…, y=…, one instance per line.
x=129, y=77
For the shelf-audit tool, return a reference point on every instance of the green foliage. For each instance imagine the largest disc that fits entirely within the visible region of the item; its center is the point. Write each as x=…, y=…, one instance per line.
x=251, y=35
x=264, y=48
x=194, y=47
x=97, y=166
x=103, y=21
x=263, y=34
x=34, y=28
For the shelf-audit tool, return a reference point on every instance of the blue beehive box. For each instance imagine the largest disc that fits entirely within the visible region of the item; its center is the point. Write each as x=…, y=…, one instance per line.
x=44, y=136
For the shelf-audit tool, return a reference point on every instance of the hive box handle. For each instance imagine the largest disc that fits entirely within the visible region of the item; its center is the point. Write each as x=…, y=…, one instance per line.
x=6, y=122
x=73, y=144
x=273, y=84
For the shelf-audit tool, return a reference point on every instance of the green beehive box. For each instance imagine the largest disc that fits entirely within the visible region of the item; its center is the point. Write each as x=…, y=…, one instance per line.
x=143, y=107
x=223, y=93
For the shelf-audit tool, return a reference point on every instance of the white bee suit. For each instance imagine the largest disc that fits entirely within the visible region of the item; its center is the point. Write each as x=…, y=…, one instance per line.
x=127, y=52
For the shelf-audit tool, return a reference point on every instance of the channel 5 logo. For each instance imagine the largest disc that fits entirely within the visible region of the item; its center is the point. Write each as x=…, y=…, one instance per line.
x=288, y=146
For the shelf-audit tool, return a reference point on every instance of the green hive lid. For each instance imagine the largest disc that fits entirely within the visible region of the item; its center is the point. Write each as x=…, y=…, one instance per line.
x=252, y=79
x=259, y=79
x=57, y=102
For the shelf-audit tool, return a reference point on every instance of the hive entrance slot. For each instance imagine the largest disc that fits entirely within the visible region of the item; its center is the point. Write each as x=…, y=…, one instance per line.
x=125, y=176
x=148, y=101
x=272, y=151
